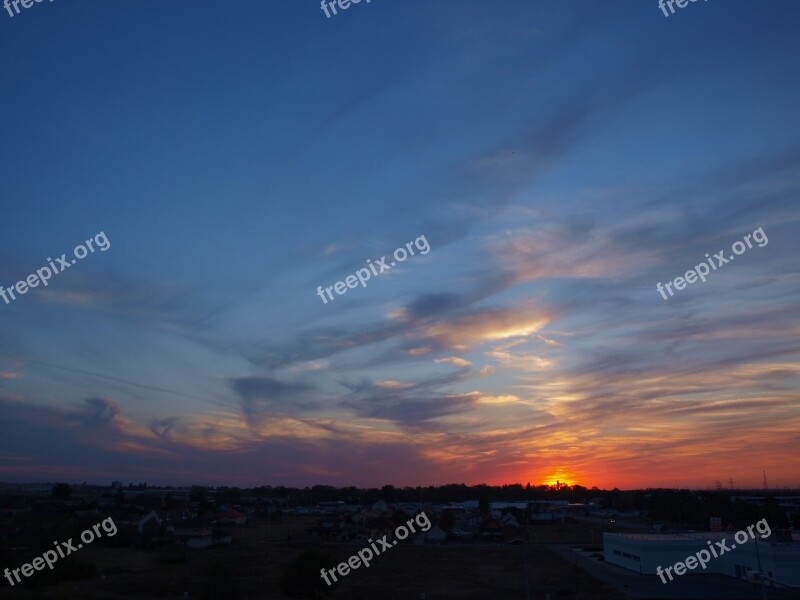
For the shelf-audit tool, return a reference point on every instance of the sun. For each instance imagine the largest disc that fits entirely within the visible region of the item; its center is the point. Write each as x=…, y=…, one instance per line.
x=560, y=478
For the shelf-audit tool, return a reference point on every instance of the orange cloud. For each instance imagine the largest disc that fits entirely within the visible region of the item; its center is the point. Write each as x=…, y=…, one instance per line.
x=531, y=254
x=393, y=384
x=419, y=351
x=499, y=324
x=454, y=360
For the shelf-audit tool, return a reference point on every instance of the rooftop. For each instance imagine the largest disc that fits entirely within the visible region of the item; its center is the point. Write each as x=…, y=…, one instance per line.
x=690, y=535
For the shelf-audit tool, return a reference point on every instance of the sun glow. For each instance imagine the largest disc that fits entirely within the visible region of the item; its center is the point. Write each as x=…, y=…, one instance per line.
x=560, y=478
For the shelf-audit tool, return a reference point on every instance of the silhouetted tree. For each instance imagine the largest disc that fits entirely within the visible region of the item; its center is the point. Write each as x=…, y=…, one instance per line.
x=62, y=491
x=483, y=505
x=197, y=493
x=446, y=521
x=389, y=494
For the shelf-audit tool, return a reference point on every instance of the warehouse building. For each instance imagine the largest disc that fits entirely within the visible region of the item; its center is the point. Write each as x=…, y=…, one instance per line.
x=777, y=557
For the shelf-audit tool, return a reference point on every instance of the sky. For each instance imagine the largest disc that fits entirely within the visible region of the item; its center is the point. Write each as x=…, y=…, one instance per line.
x=557, y=160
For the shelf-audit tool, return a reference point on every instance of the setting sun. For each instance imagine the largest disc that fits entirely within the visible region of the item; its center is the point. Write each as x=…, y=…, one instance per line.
x=560, y=478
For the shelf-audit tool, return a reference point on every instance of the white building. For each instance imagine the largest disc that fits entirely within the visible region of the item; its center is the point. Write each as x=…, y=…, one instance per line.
x=496, y=508
x=644, y=552
x=434, y=535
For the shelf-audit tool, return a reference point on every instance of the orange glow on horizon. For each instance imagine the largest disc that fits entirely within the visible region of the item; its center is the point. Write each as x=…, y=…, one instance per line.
x=560, y=477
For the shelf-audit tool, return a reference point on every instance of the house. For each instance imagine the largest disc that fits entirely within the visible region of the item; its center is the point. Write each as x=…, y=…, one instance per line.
x=509, y=520
x=151, y=523
x=434, y=535
x=197, y=534
x=333, y=529
x=473, y=519
x=215, y=538
x=232, y=517
x=496, y=509
x=551, y=511
x=377, y=527
x=327, y=508
x=492, y=528
x=462, y=533
x=192, y=527
x=171, y=518
x=361, y=518
x=152, y=530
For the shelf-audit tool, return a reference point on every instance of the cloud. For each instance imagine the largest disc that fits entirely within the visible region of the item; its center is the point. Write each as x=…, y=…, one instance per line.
x=483, y=326
x=431, y=305
x=411, y=412
x=508, y=399
x=419, y=351
x=533, y=254
x=393, y=384
x=100, y=412
x=263, y=394
x=321, y=343
x=161, y=428
x=65, y=444
x=455, y=361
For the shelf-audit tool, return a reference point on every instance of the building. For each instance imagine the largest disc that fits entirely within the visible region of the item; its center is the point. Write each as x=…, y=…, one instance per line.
x=645, y=552
x=496, y=508
x=232, y=517
x=434, y=535
x=198, y=533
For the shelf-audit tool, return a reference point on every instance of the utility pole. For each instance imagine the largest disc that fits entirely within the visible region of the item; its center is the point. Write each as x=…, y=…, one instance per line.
x=761, y=573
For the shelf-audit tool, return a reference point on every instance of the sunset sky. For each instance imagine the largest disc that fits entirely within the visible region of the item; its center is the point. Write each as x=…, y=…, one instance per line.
x=560, y=158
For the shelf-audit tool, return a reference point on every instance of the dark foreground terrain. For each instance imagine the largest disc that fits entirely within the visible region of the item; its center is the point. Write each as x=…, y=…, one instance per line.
x=252, y=566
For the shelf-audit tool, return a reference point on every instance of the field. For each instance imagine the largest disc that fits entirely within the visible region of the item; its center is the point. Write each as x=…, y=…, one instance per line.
x=260, y=553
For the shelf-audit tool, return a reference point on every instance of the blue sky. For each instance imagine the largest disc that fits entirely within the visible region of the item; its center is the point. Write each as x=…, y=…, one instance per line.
x=559, y=158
